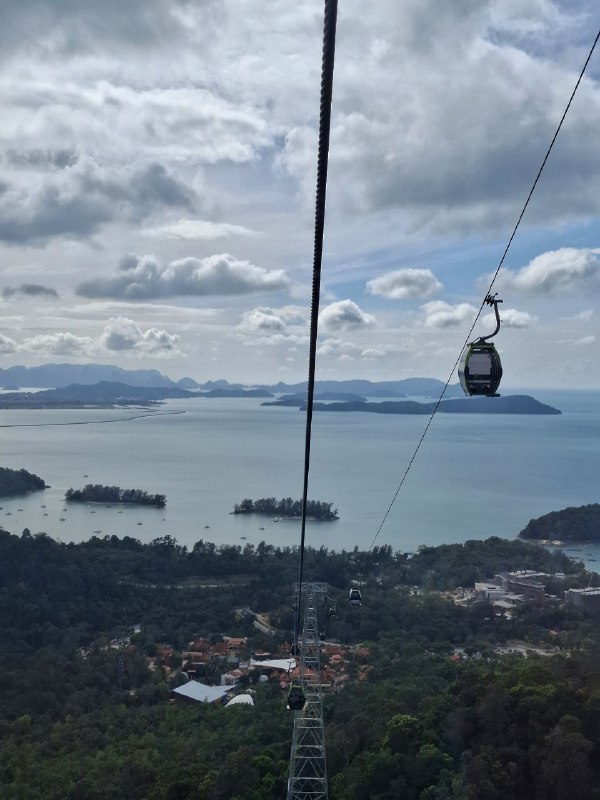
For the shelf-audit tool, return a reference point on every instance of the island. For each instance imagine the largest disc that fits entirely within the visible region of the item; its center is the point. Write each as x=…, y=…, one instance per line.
x=14, y=482
x=315, y=509
x=95, y=493
x=573, y=524
x=510, y=404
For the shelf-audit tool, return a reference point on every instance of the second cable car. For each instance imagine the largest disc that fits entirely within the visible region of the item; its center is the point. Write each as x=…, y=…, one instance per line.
x=355, y=597
x=296, y=698
x=480, y=368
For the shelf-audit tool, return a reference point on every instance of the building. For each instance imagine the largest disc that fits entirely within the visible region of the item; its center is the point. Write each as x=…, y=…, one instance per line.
x=197, y=692
x=525, y=581
x=583, y=598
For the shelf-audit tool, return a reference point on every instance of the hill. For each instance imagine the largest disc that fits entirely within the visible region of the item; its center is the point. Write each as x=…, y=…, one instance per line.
x=573, y=524
x=57, y=375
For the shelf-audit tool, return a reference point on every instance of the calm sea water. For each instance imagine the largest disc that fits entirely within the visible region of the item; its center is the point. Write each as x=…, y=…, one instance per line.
x=475, y=476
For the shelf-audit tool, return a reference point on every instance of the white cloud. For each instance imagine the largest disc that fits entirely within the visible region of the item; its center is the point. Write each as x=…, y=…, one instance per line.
x=60, y=344
x=586, y=340
x=191, y=229
x=261, y=320
x=340, y=349
x=510, y=318
x=405, y=283
x=7, y=345
x=344, y=315
x=556, y=271
x=439, y=314
x=143, y=277
x=122, y=334
x=372, y=352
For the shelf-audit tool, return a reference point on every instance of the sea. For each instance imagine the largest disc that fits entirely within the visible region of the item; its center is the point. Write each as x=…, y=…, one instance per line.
x=475, y=475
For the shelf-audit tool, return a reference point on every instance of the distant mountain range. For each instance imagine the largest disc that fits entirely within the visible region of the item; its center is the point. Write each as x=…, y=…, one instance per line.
x=117, y=393
x=56, y=375
x=49, y=376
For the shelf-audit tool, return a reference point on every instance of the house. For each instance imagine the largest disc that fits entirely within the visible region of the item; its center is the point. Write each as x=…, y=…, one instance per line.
x=196, y=692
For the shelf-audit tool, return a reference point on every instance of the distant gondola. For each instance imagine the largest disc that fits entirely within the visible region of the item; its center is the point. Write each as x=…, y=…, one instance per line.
x=355, y=597
x=480, y=368
x=296, y=697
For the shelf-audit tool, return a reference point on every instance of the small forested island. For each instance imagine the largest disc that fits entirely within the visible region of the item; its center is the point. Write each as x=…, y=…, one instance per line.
x=95, y=493
x=286, y=507
x=19, y=481
x=573, y=524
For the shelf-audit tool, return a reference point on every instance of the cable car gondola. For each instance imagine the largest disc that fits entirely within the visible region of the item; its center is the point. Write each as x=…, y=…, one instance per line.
x=355, y=597
x=296, y=697
x=480, y=368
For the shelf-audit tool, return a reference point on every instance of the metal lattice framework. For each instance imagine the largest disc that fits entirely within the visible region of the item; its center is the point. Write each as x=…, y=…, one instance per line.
x=308, y=772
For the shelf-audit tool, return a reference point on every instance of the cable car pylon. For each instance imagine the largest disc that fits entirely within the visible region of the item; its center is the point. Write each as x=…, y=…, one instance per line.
x=308, y=771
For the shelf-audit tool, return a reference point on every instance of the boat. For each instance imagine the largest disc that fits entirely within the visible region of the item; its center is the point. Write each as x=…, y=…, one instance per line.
x=9, y=514
x=61, y=519
x=97, y=531
x=207, y=526
x=261, y=529
x=45, y=513
x=275, y=519
x=92, y=511
x=19, y=509
x=85, y=476
x=140, y=523
x=243, y=537
x=42, y=506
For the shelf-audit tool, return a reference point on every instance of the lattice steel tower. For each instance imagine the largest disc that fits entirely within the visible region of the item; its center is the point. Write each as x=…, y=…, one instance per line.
x=308, y=773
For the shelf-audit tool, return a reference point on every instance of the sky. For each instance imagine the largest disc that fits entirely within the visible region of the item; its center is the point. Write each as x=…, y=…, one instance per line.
x=157, y=171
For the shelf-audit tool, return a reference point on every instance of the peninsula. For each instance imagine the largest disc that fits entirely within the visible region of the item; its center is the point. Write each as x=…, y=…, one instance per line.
x=95, y=493
x=287, y=507
x=14, y=482
x=573, y=524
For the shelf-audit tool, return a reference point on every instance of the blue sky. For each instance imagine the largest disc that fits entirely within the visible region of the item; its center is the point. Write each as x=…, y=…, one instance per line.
x=157, y=165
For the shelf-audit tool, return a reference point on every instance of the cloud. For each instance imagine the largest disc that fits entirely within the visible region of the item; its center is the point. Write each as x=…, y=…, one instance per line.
x=405, y=283
x=555, y=272
x=29, y=290
x=340, y=349
x=7, y=345
x=60, y=344
x=372, y=352
x=143, y=277
x=192, y=229
x=439, y=314
x=450, y=113
x=80, y=199
x=122, y=334
x=586, y=340
x=261, y=321
x=344, y=315
x=510, y=318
